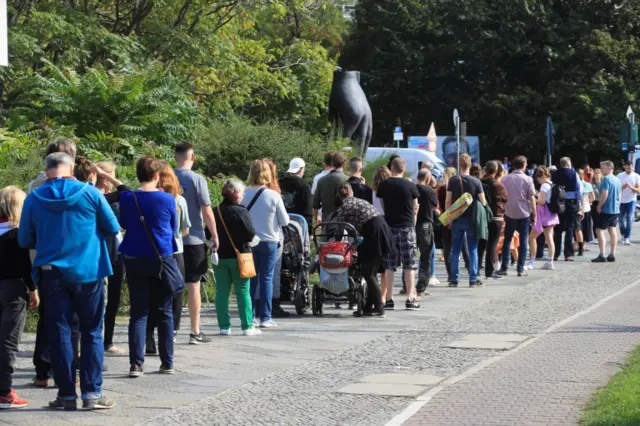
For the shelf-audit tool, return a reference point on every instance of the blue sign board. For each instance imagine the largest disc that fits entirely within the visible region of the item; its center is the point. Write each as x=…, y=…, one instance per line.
x=398, y=129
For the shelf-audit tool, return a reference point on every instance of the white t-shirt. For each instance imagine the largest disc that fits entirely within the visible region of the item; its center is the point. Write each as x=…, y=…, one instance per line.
x=546, y=188
x=632, y=179
x=587, y=189
x=314, y=186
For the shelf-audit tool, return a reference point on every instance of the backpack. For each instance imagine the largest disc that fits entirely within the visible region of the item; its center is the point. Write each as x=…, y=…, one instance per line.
x=557, y=202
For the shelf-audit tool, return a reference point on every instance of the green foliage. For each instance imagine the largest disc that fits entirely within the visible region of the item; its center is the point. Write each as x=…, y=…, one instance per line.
x=229, y=148
x=505, y=65
x=370, y=168
x=617, y=403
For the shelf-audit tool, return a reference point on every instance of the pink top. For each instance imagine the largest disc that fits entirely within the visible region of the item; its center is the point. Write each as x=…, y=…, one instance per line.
x=520, y=189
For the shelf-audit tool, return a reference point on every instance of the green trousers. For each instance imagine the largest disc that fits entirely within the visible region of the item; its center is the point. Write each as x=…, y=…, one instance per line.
x=226, y=273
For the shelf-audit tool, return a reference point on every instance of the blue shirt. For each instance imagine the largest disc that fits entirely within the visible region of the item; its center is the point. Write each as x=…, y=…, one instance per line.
x=66, y=222
x=611, y=184
x=160, y=215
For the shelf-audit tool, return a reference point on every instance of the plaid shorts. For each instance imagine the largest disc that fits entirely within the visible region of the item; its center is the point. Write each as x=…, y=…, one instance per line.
x=406, y=248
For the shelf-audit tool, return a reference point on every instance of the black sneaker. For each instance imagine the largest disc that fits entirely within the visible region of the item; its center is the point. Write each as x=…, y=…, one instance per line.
x=412, y=305
x=103, y=403
x=502, y=273
x=166, y=369
x=379, y=313
x=136, y=371
x=453, y=283
x=389, y=305
x=198, y=339
x=277, y=311
x=611, y=258
x=522, y=274
x=63, y=404
x=599, y=259
x=477, y=283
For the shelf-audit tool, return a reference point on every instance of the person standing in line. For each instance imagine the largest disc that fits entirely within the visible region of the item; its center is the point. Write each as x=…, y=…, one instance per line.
x=276, y=310
x=630, y=190
x=546, y=220
x=428, y=204
x=268, y=215
x=149, y=217
x=328, y=166
x=463, y=227
x=496, y=196
x=325, y=196
x=67, y=222
x=358, y=186
x=595, y=183
x=586, y=227
x=17, y=289
x=41, y=353
x=196, y=261
x=296, y=193
x=399, y=199
x=236, y=232
x=441, y=193
x=572, y=216
x=520, y=213
x=170, y=185
x=608, y=212
x=382, y=173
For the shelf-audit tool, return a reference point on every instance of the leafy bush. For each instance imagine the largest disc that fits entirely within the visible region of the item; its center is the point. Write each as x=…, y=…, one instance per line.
x=229, y=147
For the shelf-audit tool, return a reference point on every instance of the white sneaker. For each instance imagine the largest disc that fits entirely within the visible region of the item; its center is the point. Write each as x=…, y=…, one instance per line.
x=434, y=282
x=530, y=266
x=256, y=322
x=251, y=332
x=268, y=324
x=626, y=242
x=548, y=266
x=225, y=331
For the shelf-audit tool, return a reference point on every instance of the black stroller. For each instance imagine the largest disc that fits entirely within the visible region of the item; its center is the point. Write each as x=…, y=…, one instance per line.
x=337, y=263
x=296, y=262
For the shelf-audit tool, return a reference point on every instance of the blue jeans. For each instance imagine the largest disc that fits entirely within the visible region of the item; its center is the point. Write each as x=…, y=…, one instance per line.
x=265, y=255
x=149, y=297
x=511, y=226
x=65, y=298
x=627, y=213
x=461, y=227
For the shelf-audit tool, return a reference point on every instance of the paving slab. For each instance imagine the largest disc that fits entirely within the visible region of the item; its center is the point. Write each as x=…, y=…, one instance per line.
x=384, y=389
x=488, y=341
x=402, y=379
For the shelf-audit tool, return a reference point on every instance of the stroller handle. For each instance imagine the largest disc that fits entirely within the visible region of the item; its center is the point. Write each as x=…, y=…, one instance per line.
x=344, y=226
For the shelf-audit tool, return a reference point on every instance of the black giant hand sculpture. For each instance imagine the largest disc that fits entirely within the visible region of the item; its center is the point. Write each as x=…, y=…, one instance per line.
x=348, y=107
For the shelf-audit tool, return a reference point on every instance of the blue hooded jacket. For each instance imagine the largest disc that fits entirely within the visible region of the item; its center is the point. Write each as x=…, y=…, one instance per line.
x=66, y=222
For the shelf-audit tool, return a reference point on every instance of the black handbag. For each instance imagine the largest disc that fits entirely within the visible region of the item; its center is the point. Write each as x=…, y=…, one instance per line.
x=165, y=269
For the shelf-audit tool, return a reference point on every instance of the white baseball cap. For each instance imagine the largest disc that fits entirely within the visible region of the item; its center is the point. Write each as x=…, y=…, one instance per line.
x=295, y=165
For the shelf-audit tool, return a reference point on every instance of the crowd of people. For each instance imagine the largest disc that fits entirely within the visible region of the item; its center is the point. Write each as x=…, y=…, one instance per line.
x=69, y=241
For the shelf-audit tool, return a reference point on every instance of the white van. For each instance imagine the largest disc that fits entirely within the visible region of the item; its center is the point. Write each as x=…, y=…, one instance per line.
x=415, y=158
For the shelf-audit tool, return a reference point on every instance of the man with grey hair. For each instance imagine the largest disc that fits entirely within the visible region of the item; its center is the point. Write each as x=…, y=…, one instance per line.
x=41, y=353
x=67, y=223
x=571, y=218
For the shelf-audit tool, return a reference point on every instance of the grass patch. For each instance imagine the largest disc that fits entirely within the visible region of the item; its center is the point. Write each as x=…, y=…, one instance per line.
x=617, y=403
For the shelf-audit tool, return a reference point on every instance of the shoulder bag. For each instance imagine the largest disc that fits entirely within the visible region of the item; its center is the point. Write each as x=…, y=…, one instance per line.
x=167, y=272
x=246, y=267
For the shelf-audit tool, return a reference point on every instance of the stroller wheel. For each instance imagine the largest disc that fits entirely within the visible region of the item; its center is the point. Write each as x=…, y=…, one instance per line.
x=317, y=301
x=361, y=296
x=300, y=302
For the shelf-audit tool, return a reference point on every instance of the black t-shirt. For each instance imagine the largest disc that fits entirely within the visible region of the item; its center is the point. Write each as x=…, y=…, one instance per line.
x=471, y=185
x=428, y=201
x=361, y=190
x=398, y=194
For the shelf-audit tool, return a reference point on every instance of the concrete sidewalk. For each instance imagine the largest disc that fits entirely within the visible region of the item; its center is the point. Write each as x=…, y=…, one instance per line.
x=547, y=382
x=293, y=375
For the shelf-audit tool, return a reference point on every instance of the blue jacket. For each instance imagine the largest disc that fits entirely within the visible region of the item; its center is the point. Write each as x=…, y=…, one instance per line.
x=66, y=222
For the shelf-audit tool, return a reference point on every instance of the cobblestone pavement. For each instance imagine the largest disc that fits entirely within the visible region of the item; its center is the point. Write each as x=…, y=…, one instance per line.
x=547, y=382
x=290, y=375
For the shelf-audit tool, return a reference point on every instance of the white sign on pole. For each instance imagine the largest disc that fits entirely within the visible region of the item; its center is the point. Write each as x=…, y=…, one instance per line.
x=455, y=117
x=398, y=136
x=4, y=35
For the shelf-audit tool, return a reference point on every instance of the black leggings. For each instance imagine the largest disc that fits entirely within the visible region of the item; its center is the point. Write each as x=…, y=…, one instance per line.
x=178, y=300
x=114, y=291
x=490, y=247
x=369, y=270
